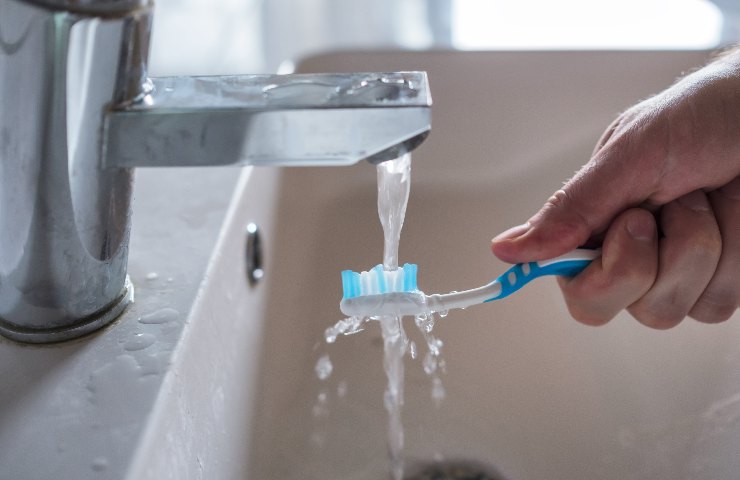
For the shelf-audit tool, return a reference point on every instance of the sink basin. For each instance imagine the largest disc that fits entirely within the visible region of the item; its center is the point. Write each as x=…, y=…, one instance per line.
x=530, y=392
x=211, y=375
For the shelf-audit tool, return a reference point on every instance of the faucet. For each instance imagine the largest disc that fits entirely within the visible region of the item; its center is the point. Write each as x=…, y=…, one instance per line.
x=78, y=114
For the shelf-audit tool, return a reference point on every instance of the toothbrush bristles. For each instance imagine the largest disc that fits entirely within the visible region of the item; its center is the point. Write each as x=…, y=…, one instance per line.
x=377, y=281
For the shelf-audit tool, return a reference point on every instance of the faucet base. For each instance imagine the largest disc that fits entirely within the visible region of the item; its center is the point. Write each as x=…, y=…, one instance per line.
x=85, y=326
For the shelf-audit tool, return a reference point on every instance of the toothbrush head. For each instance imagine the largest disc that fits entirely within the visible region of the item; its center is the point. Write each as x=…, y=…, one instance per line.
x=381, y=292
x=378, y=281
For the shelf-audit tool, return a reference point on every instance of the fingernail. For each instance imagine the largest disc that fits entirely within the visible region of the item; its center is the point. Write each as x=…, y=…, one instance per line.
x=695, y=200
x=640, y=229
x=512, y=233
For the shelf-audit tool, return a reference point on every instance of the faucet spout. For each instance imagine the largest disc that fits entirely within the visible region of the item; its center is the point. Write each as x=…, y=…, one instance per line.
x=79, y=114
x=279, y=120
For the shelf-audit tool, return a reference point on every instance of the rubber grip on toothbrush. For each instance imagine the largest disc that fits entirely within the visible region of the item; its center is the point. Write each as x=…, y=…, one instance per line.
x=568, y=265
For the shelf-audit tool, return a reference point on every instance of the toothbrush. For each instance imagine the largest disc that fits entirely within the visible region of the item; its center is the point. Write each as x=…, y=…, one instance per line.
x=380, y=292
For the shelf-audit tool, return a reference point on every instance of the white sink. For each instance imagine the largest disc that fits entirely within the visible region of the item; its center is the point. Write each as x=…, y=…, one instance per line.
x=224, y=387
x=530, y=392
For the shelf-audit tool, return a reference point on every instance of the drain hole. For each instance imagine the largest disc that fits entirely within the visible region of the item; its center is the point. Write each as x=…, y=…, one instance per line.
x=462, y=470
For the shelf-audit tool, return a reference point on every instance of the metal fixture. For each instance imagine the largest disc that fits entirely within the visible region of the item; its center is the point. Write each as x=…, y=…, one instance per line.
x=78, y=112
x=254, y=255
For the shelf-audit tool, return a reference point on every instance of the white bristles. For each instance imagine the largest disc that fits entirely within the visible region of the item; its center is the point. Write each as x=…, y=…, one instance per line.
x=379, y=281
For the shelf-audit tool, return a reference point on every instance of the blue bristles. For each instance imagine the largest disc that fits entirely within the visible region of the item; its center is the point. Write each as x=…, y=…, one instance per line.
x=409, y=277
x=378, y=281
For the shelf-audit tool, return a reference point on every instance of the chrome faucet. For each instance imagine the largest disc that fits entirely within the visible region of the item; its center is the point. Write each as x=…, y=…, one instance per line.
x=78, y=113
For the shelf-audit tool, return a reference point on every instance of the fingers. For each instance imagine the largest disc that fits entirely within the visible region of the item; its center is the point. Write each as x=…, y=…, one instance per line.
x=688, y=257
x=721, y=297
x=690, y=271
x=623, y=173
x=625, y=272
x=606, y=135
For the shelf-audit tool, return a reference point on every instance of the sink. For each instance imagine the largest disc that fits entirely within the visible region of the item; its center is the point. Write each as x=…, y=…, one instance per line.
x=212, y=375
x=531, y=393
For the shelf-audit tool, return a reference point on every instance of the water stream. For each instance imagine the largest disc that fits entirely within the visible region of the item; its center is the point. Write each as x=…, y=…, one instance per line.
x=394, y=182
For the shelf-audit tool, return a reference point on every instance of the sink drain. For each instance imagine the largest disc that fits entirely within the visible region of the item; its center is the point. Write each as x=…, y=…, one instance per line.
x=454, y=471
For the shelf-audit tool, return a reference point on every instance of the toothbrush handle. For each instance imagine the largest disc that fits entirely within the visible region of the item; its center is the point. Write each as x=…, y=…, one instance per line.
x=513, y=279
x=568, y=265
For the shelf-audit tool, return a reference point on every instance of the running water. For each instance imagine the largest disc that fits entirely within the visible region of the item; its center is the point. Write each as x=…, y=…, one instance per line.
x=394, y=184
x=394, y=179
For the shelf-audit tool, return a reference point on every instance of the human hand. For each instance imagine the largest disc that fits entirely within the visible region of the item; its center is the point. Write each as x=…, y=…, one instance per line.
x=662, y=194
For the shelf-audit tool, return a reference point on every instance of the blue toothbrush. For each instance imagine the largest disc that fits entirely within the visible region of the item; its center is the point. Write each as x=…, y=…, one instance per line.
x=380, y=292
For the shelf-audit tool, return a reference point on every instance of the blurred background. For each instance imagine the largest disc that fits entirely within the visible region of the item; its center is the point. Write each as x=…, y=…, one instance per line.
x=258, y=36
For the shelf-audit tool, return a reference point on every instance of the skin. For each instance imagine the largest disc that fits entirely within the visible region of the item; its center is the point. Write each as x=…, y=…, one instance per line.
x=661, y=194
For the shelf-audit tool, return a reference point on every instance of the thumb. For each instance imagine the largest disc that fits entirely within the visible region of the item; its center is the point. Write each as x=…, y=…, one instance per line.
x=584, y=207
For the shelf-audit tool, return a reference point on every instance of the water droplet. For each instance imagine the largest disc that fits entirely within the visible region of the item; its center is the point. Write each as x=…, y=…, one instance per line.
x=330, y=336
x=430, y=363
x=347, y=326
x=100, y=464
x=438, y=391
x=324, y=367
x=140, y=341
x=321, y=407
x=152, y=276
x=342, y=389
x=150, y=365
x=160, y=316
x=318, y=440
x=443, y=313
x=425, y=323
x=412, y=349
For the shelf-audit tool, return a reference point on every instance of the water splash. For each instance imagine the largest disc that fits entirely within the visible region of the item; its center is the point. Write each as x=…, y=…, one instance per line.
x=324, y=367
x=393, y=193
x=347, y=326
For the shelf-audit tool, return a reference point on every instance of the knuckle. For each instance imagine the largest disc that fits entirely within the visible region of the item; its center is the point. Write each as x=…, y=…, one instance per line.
x=579, y=299
x=695, y=236
x=663, y=318
x=712, y=315
x=588, y=316
x=714, y=306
